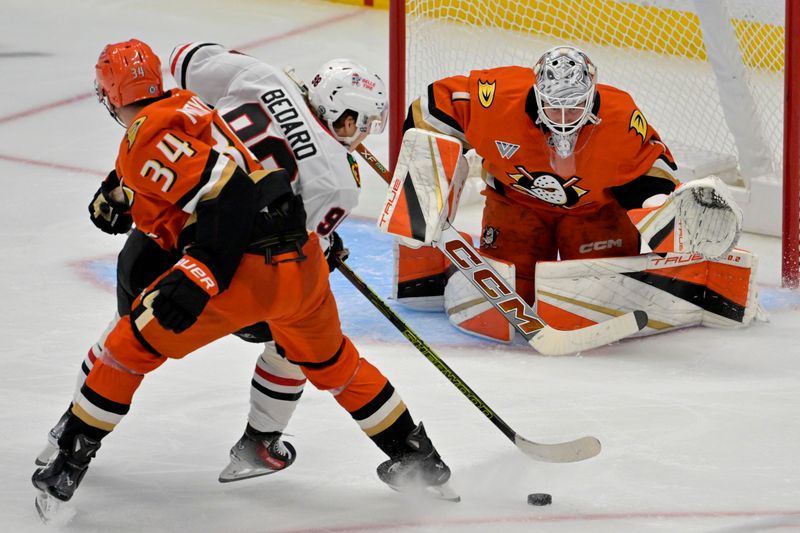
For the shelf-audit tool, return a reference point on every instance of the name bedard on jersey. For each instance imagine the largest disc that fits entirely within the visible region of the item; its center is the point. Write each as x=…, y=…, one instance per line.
x=287, y=117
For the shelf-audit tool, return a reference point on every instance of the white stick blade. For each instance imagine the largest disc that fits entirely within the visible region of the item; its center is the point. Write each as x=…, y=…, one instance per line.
x=563, y=452
x=550, y=341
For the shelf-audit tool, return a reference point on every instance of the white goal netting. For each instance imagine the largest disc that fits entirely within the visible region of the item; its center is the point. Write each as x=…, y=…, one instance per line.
x=720, y=115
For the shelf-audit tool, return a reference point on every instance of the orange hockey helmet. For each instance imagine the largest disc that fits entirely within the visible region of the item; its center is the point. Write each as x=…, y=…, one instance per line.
x=126, y=73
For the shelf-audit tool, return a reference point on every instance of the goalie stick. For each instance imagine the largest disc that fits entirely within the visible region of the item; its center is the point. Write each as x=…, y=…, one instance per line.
x=545, y=339
x=563, y=452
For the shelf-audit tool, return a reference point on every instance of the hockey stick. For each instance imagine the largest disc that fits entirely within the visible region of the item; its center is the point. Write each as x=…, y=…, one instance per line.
x=545, y=339
x=564, y=452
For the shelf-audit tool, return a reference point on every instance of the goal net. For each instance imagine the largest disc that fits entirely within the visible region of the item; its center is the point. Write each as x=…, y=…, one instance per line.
x=707, y=74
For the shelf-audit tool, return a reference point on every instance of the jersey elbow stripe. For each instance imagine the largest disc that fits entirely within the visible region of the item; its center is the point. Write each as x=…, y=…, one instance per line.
x=439, y=118
x=213, y=179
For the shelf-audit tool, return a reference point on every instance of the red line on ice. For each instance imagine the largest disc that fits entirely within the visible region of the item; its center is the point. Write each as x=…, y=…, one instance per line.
x=537, y=518
x=252, y=44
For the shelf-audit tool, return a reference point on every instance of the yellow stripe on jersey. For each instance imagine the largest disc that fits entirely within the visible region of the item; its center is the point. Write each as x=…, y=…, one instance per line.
x=224, y=176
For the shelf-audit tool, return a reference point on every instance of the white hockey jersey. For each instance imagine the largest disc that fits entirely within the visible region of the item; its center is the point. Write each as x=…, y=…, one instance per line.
x=270, y=116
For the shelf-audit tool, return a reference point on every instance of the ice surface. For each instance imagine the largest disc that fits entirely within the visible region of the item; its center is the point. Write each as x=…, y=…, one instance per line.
x=700, y=428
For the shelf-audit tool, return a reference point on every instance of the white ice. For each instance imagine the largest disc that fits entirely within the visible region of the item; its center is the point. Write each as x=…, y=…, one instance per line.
x=701, y=428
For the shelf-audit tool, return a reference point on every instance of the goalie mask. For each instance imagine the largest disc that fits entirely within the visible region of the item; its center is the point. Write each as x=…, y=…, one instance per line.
x=342, y=85
x=565, y=91
x=127, y=72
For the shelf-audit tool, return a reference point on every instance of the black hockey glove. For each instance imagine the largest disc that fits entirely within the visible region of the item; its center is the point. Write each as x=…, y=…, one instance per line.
x=109, y=215
x=179, y=301
x=335, y=249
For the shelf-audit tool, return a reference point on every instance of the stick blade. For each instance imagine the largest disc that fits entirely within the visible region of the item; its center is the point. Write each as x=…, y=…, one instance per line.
x=551, y=341
x=563, y=452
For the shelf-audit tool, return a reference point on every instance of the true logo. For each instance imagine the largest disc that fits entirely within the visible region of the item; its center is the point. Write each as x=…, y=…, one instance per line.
x=507, y=150
x=486, y=92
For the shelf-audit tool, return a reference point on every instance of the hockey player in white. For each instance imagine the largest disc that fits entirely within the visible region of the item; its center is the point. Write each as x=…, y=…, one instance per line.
x=310, y=132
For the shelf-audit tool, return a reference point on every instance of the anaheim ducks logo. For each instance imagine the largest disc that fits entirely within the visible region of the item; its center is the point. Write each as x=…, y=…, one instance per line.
x=548, y=187
x=133, y=129
x=489, y=236
x=638, y=124
x=486, y=92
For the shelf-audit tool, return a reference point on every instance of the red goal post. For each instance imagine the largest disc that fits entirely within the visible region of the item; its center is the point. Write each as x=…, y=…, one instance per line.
x=716, y=78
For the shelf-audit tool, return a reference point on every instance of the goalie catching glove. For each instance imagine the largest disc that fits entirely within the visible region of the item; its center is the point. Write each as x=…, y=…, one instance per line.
x=108, y=214
x=699, y=217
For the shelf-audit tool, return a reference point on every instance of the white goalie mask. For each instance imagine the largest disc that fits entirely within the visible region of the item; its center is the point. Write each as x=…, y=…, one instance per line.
x=341, y=84
x=565, y=92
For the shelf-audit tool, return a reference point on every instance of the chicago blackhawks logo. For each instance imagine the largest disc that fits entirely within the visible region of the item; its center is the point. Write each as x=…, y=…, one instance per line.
x=486, y=92
x=547, y=187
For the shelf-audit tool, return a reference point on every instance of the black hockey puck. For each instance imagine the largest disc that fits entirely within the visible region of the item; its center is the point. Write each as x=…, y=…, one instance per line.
x=539, y=498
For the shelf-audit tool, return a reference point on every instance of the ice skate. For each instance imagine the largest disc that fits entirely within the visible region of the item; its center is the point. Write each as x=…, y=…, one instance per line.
x=53, y=435
x=58, y=480
x=421, y=471
x=257, y=454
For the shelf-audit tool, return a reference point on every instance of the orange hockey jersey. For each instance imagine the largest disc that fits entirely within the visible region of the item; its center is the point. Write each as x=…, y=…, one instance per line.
x=174, y=152
x=494, y=112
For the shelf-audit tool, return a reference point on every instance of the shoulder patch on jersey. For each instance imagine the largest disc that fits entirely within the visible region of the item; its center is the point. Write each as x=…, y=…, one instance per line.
x=133, y=129
x=486, y=92
x=638, y=124
x=354, y=169
x=507, y=150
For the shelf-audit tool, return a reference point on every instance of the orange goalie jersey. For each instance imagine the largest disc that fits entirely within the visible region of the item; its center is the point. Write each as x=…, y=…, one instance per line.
x=492, y=110
x=168, y=160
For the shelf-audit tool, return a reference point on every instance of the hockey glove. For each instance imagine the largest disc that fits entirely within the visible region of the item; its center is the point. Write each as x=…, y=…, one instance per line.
x=111, y=216
x=183, y=294
x=335, y=250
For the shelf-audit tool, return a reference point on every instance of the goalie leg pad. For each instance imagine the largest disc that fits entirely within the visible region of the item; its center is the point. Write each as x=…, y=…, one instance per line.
x=469, y=311
x=676, y=290
x=420, y=275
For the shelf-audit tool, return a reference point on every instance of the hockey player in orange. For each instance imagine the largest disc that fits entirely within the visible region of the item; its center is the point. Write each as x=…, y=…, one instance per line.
x=246, y=257
x=565, y=160
x=307, y=130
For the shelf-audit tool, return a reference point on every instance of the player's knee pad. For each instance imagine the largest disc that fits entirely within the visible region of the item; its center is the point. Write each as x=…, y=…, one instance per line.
x=676, y=290
x=468, y=310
